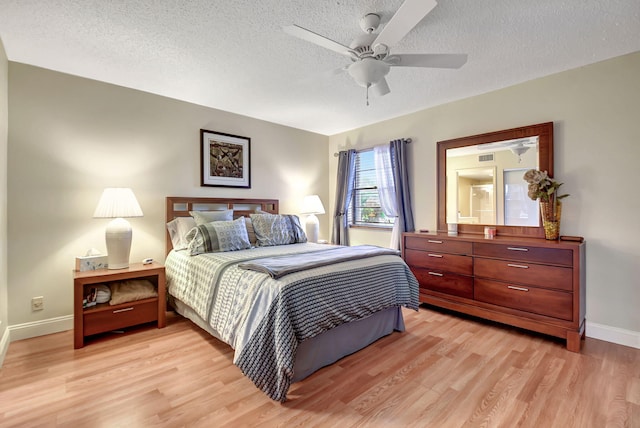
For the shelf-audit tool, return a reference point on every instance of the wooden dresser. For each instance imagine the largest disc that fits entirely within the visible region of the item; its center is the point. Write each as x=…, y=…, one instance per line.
x=529, y=283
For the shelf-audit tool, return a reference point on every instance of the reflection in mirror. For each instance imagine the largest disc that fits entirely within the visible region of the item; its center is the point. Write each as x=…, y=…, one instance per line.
x=483, y=176
x=519, y=208
x=480, y=180
x=475, y=203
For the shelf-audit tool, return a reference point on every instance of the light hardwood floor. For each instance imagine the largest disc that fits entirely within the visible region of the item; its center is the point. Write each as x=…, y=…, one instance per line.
x=444, y=371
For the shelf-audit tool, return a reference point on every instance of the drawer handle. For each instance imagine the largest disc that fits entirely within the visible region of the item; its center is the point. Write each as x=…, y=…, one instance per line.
x=513, y=287
x=431, y=241
x=435, y=274
x=517, y=249
x=117, y=311
x=517, y=266
x=435, y=255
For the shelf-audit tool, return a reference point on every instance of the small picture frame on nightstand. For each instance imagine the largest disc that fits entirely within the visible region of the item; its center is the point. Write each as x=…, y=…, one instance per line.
x=86, y=263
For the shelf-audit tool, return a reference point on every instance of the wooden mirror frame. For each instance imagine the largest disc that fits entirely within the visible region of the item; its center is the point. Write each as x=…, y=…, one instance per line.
x=545, y=163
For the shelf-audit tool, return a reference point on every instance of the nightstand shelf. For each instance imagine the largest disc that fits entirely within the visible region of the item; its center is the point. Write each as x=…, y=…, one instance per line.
x=105, y=317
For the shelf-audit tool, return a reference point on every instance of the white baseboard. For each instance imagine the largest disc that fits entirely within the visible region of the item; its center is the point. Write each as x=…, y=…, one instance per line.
x=40, y=328
x=613, y=334
x=4, y=344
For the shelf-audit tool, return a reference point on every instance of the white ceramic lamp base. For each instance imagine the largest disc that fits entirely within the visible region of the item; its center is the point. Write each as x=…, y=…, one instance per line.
x=118, y=237
x=312, y=228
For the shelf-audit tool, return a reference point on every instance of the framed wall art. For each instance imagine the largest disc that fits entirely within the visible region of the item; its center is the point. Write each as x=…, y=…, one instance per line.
x=225, y=160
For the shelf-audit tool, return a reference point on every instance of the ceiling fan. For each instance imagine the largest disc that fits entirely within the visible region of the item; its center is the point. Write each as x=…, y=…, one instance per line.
x=370, y=53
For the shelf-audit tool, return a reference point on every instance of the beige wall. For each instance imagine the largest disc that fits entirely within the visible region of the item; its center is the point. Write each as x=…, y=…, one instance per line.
x=595, y=110
x=70, y=137
x=4, y=123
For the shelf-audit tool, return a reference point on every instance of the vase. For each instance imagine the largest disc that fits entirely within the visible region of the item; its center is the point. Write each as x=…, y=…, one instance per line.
x=551, y=213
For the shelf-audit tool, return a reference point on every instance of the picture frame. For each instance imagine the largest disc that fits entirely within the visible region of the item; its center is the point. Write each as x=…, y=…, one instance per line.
x=225, y=160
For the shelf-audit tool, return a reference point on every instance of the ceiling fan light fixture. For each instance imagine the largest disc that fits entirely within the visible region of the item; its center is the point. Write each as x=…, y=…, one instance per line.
x=519, y=150
x=368, y=71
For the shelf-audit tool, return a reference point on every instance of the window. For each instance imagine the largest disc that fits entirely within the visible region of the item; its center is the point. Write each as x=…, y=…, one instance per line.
x=365, y=207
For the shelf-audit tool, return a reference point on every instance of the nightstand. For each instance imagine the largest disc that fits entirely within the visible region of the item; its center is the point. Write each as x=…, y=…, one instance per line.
x=105, y=317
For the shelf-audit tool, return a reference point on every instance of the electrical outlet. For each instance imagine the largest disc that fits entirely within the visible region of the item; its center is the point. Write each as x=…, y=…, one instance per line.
x=37, y=303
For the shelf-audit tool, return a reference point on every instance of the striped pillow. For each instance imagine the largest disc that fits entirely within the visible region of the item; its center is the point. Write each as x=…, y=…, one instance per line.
x=206, y=238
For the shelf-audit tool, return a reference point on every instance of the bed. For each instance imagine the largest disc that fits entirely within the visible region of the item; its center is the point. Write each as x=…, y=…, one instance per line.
x=283, y=318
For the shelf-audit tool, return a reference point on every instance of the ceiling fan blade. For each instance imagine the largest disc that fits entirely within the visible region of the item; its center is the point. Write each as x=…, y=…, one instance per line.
x=408, y=15
x=381, y=88
x=428, y=60
x=310, y=36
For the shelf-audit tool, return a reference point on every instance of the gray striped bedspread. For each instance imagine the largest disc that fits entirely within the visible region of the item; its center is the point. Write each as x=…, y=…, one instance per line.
x=263, y=319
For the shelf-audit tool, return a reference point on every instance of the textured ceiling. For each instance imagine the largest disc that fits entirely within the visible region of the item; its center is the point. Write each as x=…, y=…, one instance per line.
x=234, y=56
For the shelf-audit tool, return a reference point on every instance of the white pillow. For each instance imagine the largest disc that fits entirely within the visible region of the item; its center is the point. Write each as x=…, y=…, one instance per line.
x=204, y=217
x=178, y=229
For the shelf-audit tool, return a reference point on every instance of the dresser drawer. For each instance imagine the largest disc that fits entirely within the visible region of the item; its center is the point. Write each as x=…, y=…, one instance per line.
x=557, y=304
x=444, y=282
x=437, y=244
x=442, y=261
x=532, y=254
x=542, y=276
x=106, y=318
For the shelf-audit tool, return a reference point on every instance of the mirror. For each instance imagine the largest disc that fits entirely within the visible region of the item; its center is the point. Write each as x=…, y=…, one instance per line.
x=480, y=180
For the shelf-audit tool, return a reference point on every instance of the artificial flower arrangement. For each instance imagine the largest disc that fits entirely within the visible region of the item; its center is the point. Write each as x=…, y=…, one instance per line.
x=541, y=186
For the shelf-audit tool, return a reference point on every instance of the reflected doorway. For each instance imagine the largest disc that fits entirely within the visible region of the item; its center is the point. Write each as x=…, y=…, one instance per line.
x=476, y=202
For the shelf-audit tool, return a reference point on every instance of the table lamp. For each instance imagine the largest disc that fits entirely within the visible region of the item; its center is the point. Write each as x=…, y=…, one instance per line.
x=312, y=205
x=118, y=203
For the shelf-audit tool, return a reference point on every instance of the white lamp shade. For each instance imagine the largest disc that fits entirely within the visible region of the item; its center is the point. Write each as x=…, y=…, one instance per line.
x=312, y=205
x=118, y=203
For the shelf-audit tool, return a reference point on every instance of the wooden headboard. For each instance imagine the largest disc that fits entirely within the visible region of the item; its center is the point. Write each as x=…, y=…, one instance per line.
x=179, y=206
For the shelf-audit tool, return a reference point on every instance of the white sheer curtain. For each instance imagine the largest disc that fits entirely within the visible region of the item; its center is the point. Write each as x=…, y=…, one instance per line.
x=386, y=190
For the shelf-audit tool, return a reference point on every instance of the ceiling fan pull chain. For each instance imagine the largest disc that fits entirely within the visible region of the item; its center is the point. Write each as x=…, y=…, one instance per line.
x=368, y=86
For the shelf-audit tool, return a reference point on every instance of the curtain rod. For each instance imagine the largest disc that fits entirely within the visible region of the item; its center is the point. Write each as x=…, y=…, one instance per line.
x=408, y=140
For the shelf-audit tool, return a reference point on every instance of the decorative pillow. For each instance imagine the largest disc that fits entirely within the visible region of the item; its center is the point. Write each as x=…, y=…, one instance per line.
x=232, y=235
x=277, y=229
x=202, y=217
x=250, y=232
x=128, y=291
x=178, y=229
x=202, y=239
